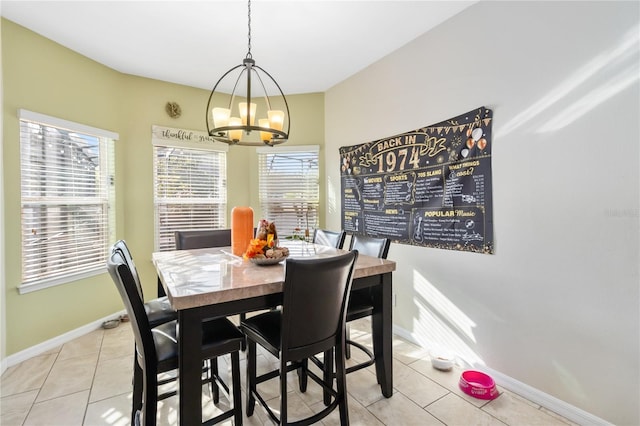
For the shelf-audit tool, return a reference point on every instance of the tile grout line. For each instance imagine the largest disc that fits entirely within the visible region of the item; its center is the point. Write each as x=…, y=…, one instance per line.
x=93, y=379
x=57, y=357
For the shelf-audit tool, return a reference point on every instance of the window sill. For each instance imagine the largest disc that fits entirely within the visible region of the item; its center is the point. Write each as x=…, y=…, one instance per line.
x=41, y=285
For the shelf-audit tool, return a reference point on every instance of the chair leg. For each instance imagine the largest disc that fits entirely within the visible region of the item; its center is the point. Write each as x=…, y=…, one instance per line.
x=213, y=373
x=347, y=348
x=237, y=395
x=327, y=375
x=150, y=404
x=136, y=404
x=283, y=393
x=341, y=385
x=302, y=376
x=251, y=376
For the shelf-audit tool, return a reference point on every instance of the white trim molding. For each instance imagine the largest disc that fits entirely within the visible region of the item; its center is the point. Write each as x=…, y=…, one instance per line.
x=45, y=346
x=545, y=400
x=36, y=117
x=287, y=148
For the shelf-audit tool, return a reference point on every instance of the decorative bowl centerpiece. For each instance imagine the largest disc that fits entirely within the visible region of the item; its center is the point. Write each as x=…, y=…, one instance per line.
x=263, y=250
x=265, y=261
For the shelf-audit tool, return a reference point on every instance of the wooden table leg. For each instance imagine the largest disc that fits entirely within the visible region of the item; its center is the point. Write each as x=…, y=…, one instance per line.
x=190, y=367
x=382, y=326
x=161, y=292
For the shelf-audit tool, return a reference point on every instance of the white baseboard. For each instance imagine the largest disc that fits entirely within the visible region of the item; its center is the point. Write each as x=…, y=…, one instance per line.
x=545, y=400
x=43, y=347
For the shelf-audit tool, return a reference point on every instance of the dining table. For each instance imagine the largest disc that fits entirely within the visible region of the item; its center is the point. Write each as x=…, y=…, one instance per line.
x=213, y=282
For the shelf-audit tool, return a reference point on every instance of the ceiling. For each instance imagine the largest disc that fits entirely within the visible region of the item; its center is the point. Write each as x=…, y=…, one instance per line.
x=307, y=46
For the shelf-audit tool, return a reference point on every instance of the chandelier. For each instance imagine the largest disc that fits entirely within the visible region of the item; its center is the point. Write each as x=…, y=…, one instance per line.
x=222, y=123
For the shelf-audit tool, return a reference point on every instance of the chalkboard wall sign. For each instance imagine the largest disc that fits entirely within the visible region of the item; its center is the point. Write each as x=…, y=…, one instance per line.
x=428, y=187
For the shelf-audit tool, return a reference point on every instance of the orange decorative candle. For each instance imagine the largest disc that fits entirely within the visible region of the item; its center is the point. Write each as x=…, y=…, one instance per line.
x=241, y=229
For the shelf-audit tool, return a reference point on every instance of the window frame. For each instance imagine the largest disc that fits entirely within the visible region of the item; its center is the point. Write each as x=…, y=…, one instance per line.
x=105, y=196
x=310, y=223
x=191, y=140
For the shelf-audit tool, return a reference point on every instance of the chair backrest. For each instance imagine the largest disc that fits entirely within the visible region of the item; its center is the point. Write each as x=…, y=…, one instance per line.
x=126, y=285
x=315, y=297
x=370, y=246
x=329, y=238
x=203, y=238
x=121, y=247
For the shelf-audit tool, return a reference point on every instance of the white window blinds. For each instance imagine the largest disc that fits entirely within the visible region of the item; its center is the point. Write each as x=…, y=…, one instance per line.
x=67, y=196
x=289, y=187
x=190, y=191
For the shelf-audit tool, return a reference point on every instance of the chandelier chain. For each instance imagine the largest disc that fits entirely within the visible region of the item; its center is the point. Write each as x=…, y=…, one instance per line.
x=227, y=129
x=249, y=33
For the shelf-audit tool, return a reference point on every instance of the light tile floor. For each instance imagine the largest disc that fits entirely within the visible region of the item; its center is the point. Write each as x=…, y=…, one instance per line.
x=88, y=382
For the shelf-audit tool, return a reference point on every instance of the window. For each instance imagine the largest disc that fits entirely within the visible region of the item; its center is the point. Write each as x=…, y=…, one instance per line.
x=190, y=190
x=67, y=199
x=289, y=187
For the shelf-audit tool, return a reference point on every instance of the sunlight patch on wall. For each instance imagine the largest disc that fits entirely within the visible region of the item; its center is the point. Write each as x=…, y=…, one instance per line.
x=585, y=104
x=626, y=48
x=569, y=381
x=440, y=325
x=444, y=306
x=332, y=198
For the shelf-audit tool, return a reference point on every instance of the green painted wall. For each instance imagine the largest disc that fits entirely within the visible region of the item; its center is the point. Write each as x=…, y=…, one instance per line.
x=42, y=76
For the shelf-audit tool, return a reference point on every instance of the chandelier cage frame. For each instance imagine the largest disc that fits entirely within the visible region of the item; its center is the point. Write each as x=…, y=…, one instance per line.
x=248, y=68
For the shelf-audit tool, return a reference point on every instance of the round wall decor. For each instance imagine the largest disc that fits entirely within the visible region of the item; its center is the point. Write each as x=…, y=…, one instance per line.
x=173, y=109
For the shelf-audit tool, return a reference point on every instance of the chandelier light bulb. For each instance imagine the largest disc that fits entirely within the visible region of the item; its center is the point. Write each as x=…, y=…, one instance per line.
x=223, y=128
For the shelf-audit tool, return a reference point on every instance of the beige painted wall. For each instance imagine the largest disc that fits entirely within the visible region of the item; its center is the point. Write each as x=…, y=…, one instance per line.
x=3, y=321
x=145, y=100
x=44, y=77
x=556, y=306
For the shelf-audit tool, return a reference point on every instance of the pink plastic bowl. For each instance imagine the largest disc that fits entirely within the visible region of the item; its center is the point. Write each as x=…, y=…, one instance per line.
x=478, y=385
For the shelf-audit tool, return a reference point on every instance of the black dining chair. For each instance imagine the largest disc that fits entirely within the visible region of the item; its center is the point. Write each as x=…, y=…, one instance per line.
x=158, y=310
x=329, y=238
x=157, y=349
x=202, y=238
x=361, y=301
x=310, y=321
